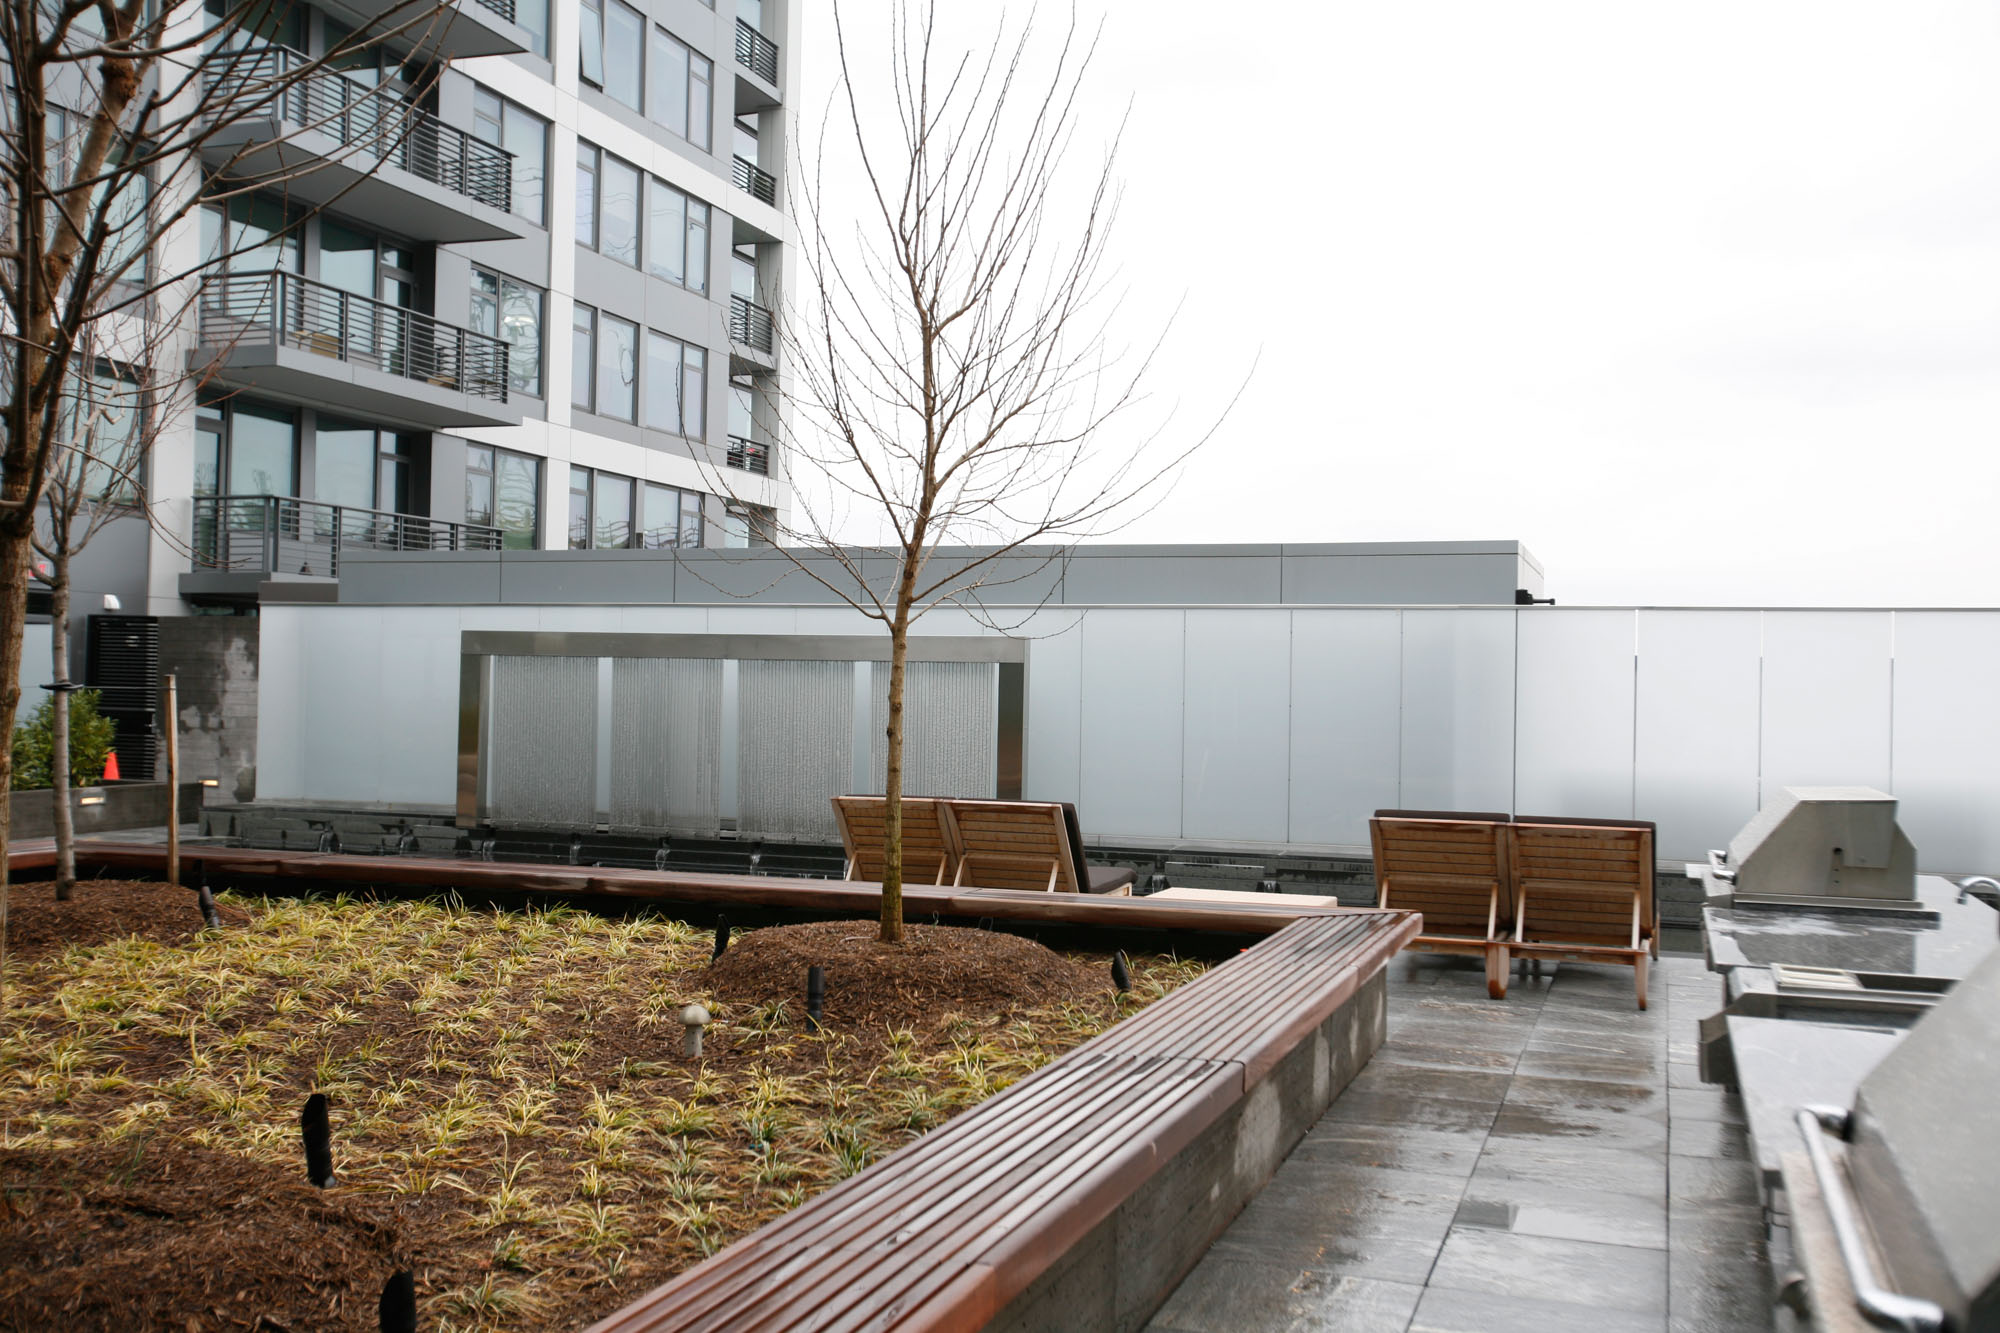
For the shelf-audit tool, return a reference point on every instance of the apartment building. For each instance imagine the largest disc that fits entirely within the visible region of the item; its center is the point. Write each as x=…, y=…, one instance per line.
x=538, y=314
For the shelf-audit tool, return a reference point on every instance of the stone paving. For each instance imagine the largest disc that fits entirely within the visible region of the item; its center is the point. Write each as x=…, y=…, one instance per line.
x=1551, y=1161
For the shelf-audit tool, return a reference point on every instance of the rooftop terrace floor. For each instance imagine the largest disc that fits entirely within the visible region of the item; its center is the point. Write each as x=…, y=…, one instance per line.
x=1545, y=1162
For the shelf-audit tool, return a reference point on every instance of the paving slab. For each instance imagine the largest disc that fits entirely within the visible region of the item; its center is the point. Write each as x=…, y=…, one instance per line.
x=1550, y=1161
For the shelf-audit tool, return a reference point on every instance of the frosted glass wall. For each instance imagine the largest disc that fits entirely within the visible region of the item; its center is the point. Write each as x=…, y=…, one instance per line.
x=1255, y=727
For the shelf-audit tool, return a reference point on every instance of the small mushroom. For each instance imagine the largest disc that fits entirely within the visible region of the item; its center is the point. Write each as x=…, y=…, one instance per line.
x=693, y=1019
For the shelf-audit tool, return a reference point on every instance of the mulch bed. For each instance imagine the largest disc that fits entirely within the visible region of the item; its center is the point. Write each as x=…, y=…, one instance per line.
x=101, y=910
x=872, y=985
x=512, y=1117
x=149, y=1235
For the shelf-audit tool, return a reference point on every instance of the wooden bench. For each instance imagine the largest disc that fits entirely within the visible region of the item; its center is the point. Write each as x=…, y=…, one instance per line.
x=1026, y=845
x=930, y=856
x=1079, y=1197
x=1454, y=870
x=1583, y=891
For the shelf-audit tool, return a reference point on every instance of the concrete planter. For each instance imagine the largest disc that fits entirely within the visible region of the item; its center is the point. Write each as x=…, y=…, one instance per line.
x=122, y=805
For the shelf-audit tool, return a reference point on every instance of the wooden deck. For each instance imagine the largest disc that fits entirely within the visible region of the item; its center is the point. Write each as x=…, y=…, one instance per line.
x=1261, y=914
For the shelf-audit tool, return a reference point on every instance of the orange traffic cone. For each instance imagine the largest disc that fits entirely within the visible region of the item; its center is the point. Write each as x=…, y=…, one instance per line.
x=111, y=767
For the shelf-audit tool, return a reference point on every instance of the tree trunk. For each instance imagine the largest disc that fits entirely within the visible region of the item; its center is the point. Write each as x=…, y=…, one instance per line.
x=892, y=787
x=13, y=618
x=59, y=730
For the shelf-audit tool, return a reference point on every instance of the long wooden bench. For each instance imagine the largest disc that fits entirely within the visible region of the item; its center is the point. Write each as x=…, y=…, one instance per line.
x=708, y=891
x=1080, y=1197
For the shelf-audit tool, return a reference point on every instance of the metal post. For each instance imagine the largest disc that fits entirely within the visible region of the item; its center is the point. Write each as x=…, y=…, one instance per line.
x=173, y=784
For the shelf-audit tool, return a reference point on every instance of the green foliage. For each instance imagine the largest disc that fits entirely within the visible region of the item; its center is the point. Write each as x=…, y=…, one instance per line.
x=90, y=740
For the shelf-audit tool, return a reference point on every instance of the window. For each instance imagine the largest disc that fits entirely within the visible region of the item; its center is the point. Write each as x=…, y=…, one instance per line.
x=590, y=42
x=582, y=358
x=611, y=39
x=617, y=368
x=511, y=311
x=252, y=448
x=680, y=94
x=624, y=53
x=250, y=233
x=503, y=490
x=505, y=124
x=618, y=211
x=676, y=385
x=586, y=194
x=103, y=427
x=747, y=525
x=676, y=236
x=533, y=16
x=671, y=518
x=600, y=510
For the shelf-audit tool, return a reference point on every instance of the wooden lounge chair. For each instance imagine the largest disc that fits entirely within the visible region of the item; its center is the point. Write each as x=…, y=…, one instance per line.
x=1026, y=845
x=1453, y=868
x=929, y=854
x=1583, y=891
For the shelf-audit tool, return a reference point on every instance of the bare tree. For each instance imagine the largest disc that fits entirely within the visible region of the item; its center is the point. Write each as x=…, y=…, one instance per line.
x=95, y=478
x=113, y=131
x=954, y=378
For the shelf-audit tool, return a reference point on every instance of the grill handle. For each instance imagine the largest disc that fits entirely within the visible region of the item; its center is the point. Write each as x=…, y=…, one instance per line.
x=1718, y=865
x=1883, y=1307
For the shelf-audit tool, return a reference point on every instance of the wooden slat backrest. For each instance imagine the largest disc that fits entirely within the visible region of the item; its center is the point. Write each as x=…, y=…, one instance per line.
x=1445, y=868
x=1584, y=884
x=929, y=855
x=1012, y=845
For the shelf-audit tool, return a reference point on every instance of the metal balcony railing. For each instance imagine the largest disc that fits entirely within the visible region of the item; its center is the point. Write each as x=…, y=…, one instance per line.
x=756, y=52
x=284, y=309
x=750, y=324
x=278, y=534
x=756, y=180
x=504, y=8
x=749, y=455
x=372, y=120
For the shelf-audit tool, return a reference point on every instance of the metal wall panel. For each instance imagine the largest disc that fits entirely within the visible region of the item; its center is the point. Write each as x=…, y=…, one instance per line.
x=795, y=732
x=949, y=728
x=541, y=765
x=1236, y=742
x=1131, y=724
x=1458, y=710
x=1053, y=763
x=666, y=744
x=1696, y=730
x=1347, y=688
x=1947, y=737
x=1826, y=700
x=1574, y=708
x=281, y=703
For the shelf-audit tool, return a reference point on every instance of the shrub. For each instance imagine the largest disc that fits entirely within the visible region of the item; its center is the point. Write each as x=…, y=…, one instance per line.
x=90, y=740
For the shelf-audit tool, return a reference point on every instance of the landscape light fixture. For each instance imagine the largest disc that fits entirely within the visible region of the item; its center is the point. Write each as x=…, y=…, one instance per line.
x=1121, y=975
x=317, y=1132
x=693, y=1019
x=397, y=1310
x=815, y=995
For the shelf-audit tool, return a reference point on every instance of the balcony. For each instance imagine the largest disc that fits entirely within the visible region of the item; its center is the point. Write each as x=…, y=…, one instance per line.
x=241, y=541
x=756, y=69
x=454, y=31
x=749, y=455
x=755, y=181
x=752, y=330
x=328, y=139
x=288, y=337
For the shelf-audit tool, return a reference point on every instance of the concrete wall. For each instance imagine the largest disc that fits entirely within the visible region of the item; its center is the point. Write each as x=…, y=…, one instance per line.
x=1282, y=728
x=214, y=661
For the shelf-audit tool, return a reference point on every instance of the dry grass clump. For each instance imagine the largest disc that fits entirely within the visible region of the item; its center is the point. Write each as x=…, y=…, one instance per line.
x=507, y=1087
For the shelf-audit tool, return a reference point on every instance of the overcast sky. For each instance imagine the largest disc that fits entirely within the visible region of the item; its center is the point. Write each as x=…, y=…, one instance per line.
x=1699, y=301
